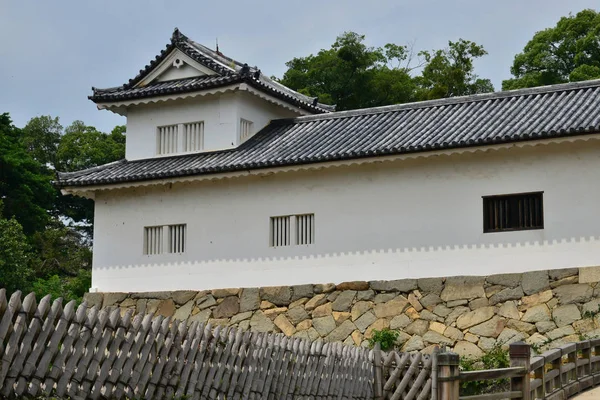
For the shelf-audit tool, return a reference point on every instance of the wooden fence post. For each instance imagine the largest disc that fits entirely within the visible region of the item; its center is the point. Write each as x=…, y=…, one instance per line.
x=520, y=356
x=378, y=371
x=448, y=376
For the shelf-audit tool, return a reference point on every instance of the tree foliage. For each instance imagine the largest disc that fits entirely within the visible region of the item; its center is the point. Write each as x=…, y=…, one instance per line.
x=14, y=255
x=568, y=52
x=352, y=75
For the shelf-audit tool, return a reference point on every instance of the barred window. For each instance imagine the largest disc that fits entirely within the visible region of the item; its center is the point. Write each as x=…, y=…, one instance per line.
x=193, y=138
x=165, y=238
x=166, y=139
x=513, y=212
x=245, y=129
x=292, y=229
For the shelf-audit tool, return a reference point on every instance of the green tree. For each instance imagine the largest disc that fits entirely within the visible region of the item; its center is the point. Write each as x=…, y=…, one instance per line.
x=352, y=75
x=25, y=186
x=41, y=137
x=450, y=72
x=15, y=256
x=568, y=52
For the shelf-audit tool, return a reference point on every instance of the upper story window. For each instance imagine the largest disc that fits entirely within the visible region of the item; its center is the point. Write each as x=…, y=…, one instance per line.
x=292, y=229
x=245, y=130
x=180, y=138
x=513, y=212
x=165, y=239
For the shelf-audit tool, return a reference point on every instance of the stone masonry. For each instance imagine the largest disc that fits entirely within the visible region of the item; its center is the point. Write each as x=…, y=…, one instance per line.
x=468, y=314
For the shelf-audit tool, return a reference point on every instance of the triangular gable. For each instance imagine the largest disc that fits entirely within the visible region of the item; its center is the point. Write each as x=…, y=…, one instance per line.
x=176, y=65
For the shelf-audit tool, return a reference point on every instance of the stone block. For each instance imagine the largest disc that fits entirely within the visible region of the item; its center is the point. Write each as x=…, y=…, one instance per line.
x=560, y=332
x=365, y=295
x=570, y=280
x=415, y=343
x=300, y=291
x=508, y=280
x=399, y=322
x=219, y=321
x=479, y=303
x=437, y=327
x=93, y=299
x=201, y=317
x=228, y=308
x=509, y=310
x=180, y=297
x=353, y=285
x=185, y=311
x=565, y=315
x=584, y=325
x=344, y=301
x=455, y=334
x=456, y=303
x=475, y=317
x=589, y=274
x=278, y=295
x=467, y=350
x=412, y=313
x=441, y=310
x=437, y=338
x=431, y=285
x=456, y=312
x=486, y=344
x=141, y=305
x=429, y=316
x=418, y=327
x=509, y=335
x=297, y=315
x=545, y=326
x=536, y=314
x=272, y=313
x=402, y=338
x=391, y=308
x=364, y=321
x=491, y=328
x=265, y=305
x=166, y=308
x=284, y=325
x=557, y=274
x=304, y=325
x=414, y=301
x=152, y=305
x=591, y=307
x=128, y=302
x=322, y=311
x=507, y=294
x=492, y=290
x=151, y=295
x=359, y=308
x=249, y=299
x=340, y=316
x=470, y=337
x=384, y=297
x=579, y=293
x=463, y=288
x=400, y=285
x=261, y=323
x=227, y=292
x=324, y=325
x=315, y=302
x=112, y=299
x=535, y=299
x=341, y=332
x=240, y=317
x=430, y=300
x=206, y=302
x=521, y=326
x=357, y=337
x=324, y=288
x=535, y=281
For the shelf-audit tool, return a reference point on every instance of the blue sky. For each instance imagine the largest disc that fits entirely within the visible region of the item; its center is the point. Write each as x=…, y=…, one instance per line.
x=53, y=52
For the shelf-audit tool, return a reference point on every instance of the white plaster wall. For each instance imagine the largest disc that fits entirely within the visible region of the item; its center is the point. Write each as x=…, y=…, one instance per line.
x=220, y=113
x=412, y=218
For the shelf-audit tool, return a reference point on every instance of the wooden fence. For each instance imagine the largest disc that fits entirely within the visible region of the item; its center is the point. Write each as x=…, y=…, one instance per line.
x=100, y=354
x=80, y=353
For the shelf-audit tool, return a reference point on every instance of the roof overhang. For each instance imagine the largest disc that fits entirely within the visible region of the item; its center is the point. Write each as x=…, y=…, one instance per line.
x=120, y=107
x=89, y=191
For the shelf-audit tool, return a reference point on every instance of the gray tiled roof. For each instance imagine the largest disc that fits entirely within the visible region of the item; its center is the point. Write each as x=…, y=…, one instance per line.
x=520, y=115
x=228, y=71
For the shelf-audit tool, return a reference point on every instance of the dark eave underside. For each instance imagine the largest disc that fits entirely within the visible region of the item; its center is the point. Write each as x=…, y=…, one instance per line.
x=552, y=112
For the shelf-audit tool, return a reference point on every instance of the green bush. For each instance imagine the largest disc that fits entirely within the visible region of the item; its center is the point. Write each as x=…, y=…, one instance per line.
x=493, y=359
x=385, y=337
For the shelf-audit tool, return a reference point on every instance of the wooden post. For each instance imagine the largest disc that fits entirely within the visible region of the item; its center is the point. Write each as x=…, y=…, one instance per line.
x=378, y=371
x=520, y=356
x=448, y=376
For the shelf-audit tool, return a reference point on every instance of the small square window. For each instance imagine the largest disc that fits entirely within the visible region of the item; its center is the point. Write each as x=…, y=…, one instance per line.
x=165, y=238
x=292, y=229
x=513, y=212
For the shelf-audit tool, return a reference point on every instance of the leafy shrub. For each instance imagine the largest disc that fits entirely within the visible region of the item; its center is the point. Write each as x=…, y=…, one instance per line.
x=493, y=359
x=385, y=337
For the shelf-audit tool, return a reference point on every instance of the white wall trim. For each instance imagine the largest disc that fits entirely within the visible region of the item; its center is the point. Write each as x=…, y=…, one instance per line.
x=88, y=191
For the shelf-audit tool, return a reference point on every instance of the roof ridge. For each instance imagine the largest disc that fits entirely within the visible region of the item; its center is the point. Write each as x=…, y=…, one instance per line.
x=76, y=174
x=446, y=101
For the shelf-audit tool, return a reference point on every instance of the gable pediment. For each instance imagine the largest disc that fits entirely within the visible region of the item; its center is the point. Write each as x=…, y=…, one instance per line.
x=177, y=65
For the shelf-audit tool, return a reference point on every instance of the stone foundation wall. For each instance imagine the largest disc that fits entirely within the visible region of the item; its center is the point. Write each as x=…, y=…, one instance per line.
x=468, y=314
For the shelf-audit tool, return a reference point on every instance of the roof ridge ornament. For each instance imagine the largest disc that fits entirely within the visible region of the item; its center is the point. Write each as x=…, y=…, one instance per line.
x=178, y=36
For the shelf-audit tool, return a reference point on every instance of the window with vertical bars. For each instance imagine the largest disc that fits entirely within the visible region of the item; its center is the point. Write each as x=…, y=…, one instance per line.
x=166, y=139
x=292, y=230
x=165, y=238
x=513, y=212
x=245, y=129
x=177, y=238
x=153, y=240
x=305, y=229
x=193, y=137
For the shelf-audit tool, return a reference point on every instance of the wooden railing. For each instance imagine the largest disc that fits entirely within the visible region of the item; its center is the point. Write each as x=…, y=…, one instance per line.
x=558, y=374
